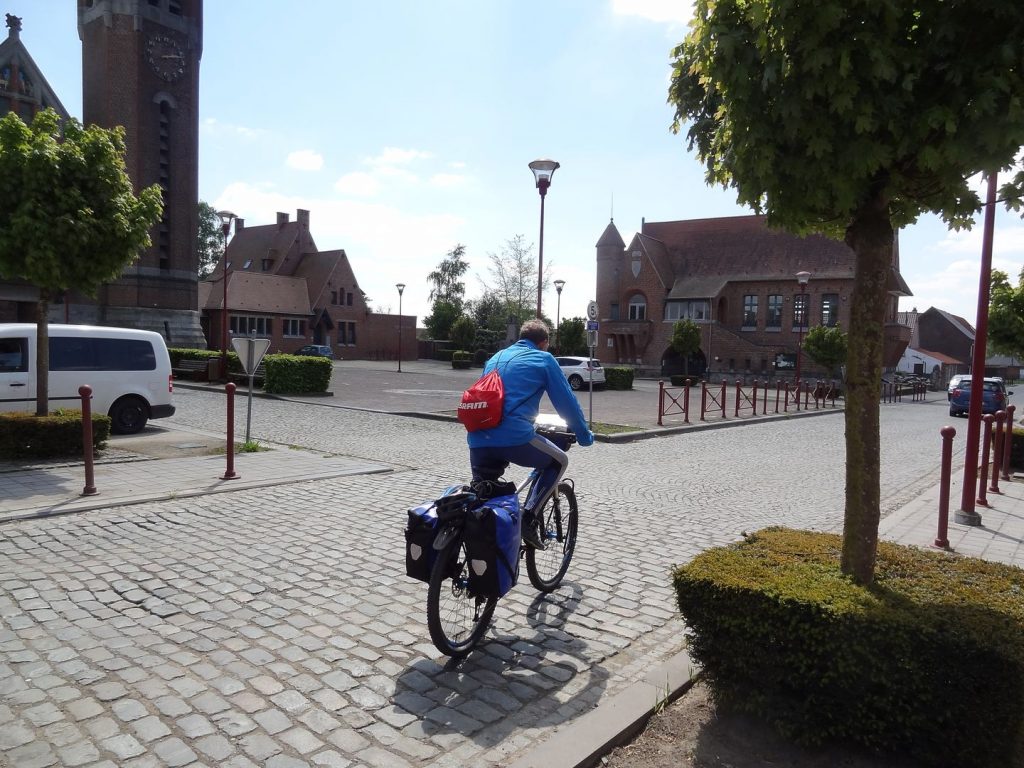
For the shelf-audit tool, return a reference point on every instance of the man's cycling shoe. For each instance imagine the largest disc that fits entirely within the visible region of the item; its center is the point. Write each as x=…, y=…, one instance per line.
x=532, y=535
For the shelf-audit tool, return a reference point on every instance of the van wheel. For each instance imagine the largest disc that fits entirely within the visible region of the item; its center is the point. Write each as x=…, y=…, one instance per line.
x=128, y=416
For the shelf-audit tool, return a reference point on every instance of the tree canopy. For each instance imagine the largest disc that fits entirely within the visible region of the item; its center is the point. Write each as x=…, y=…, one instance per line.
x=69, y=217
x=826, y=346
x=1006, y=315
x=685, y=340
x=513, y=278
x=446, y=280
x=209, y=239
x=851, y=118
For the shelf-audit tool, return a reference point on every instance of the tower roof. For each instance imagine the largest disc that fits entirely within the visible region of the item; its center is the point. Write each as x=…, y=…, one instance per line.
x=611, y=237
x=21, y=80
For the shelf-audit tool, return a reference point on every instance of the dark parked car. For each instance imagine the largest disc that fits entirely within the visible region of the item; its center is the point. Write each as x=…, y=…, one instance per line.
x=993, y=397
x=317, y=350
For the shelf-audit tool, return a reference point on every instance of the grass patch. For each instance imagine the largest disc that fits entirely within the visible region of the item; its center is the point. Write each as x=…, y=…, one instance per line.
x=601, y=428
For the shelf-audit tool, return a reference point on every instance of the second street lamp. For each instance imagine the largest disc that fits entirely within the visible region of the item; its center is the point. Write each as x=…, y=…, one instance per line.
x=226, y=217
x=802, y=278
x=559, y=285
x=543, y=170
x=401, y=288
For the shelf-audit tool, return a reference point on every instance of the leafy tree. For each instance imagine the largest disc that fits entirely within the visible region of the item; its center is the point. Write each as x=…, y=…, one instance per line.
x=826, y=346
x=513, y=274
x=68, y=214
x=852, y=118
x=490, y=312
x=685, y=341
x=446, y=279
x=209, y=239
x=572, y=337
x=1006, y=315
x=439, y=322
x=463, y=332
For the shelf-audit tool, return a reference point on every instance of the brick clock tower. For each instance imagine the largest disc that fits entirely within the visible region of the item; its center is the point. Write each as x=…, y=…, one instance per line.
x=140, y=70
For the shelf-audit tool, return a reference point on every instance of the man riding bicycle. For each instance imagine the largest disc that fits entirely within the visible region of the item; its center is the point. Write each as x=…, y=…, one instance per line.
x=527, y=371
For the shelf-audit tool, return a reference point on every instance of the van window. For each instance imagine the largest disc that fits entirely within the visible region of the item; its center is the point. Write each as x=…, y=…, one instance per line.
x=79, y=353
x=14, y=355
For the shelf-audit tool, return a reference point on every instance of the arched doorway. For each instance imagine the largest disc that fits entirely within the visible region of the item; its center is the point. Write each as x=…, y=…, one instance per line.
x=673, y=364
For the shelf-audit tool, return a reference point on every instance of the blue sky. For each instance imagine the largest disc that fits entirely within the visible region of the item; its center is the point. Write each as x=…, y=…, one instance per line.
x=406, y=127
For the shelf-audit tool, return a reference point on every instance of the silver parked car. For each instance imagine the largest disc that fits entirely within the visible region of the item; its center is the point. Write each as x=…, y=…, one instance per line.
x=579, y=370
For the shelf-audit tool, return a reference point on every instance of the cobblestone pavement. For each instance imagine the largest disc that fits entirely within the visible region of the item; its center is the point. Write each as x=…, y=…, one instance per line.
x=275, y=627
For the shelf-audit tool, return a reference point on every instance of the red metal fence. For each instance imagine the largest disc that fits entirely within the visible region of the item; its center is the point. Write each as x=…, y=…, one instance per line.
x=718, y=400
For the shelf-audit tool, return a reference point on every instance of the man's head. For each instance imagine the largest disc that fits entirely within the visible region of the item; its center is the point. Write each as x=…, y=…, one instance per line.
x=535, y=331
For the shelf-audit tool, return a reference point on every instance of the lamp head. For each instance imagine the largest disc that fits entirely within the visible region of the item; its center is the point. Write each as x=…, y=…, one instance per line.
x=226, y=217
x=559, y=285
x=400, y=287
x=543, y=170
x=802, y=277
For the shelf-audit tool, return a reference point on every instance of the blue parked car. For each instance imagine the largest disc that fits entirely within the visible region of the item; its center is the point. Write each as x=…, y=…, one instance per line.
x=993, y=397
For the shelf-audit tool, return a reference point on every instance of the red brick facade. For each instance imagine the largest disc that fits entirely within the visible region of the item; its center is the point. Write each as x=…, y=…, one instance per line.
x=737, y=280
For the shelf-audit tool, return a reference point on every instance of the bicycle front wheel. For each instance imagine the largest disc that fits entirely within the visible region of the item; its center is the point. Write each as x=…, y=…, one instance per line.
x=546, y=567
x=456, y=619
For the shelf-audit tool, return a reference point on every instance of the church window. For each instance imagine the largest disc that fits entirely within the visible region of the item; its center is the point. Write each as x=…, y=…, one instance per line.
x=750, y=311
x=613, y=313
x=774, y=318
x=638, y=308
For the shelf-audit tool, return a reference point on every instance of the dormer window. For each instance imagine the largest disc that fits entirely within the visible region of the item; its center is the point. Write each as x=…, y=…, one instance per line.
x=248, y=263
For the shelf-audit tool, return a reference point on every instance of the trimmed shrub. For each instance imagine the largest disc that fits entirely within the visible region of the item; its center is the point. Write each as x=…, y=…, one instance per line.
x=480, y=357
x=618, y=377
x=58, y=435
x=896, y=667
x=444, y=355
x=296, y=374
x=462, y=360
x=1017, y=448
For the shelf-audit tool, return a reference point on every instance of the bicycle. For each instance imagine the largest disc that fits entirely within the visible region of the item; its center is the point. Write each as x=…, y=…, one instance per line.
x=457, y=618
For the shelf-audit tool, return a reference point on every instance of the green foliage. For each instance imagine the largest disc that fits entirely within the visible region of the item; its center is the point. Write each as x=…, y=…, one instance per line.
x=513, y=278
x=463, y=332
x=618, y=377
x=685, y=337
x=441, y=319
x=851, y=135
x=1017, y=449
x=26, y=436
x=826, y=347
x=296, y=374
x=462, y=360
x=491, y=313
x=1006, y=315
x=447, y=282
x=487, y=340
x=783, y=635
x=69, y=217
x=572, y=337
x=209, y=239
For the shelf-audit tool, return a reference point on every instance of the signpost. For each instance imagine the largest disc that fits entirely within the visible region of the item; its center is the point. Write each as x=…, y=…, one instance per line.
x=592, y=328
x=250, y=352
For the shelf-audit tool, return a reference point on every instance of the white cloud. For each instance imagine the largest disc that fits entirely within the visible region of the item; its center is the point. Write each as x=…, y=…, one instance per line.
x=358, y=184
x=396, y=156
x=213, y=127
x=661, y=11
x=305, y=160
x=447, y=180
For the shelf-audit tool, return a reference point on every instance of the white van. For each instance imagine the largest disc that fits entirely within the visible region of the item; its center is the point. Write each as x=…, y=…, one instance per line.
x=129, y=371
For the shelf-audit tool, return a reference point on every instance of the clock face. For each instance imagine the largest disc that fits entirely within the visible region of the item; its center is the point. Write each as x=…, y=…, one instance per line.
x=165, y=57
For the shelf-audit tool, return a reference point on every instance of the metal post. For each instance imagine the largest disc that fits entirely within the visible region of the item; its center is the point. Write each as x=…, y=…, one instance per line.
x=686, y=402
x=983, y=479
x=401, y=290
x=251, y=367
x=941, y=538
x=590, y=375
x=998, y=461
x=1008, y=441
x=85, y=392
x=229, y=472
x=661, y=400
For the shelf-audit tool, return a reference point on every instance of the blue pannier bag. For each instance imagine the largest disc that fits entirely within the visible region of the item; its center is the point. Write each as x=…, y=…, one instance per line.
x=419, y=537
x=492, y=537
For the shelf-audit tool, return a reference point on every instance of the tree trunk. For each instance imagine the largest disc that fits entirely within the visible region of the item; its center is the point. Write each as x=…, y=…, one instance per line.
x=43, y=353
x=870, y=236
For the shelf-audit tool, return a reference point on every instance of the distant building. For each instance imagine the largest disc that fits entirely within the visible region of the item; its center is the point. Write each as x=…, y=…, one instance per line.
x=281, y=287
x=736, y=279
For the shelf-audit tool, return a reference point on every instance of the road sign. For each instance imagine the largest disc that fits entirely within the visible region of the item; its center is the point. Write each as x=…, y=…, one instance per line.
x=592, y=310
x=591, y=339
x=591, y=325
x=250, y=351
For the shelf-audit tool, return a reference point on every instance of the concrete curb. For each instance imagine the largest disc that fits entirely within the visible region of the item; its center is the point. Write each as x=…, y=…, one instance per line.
x=584, y=741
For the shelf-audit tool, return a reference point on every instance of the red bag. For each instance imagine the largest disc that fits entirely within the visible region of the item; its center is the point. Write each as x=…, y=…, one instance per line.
x=482, y=403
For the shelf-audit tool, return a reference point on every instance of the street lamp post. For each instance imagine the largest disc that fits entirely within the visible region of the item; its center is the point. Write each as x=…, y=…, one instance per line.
x=802, y=278
x=401, y=288
x=226, y=217
x=543, y=170
x=559, y=285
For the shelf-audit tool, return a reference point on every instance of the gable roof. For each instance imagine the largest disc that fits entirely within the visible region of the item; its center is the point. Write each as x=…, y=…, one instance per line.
x=955, y=320
x=255, y=292
x=31, y=86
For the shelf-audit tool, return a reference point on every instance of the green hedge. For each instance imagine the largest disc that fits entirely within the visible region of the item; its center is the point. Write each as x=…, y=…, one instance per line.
x=619, y=377
x=1017, y=448
x=296, y=374
x=24, y=435
x=928, y=661
x=462, y=360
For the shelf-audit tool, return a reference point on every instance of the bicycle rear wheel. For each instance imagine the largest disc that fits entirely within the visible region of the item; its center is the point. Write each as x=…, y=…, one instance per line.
x=547, y=567
x=456, y=619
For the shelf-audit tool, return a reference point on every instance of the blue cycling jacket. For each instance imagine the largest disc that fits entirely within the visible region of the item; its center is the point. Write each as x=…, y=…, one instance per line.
x=526, y=374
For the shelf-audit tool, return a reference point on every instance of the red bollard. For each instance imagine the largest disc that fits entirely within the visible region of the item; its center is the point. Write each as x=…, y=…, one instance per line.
x=686, y=402
x=661, y=399
x=703, y=399
x=229, y=473
x=983, y=474
x=1008, y=441
x=998, y=460
x=85, y=391
x=942, y=537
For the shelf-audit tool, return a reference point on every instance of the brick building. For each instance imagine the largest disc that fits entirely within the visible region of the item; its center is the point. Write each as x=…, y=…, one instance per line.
x=24, y=91
x=281, y=287
x=736, y=279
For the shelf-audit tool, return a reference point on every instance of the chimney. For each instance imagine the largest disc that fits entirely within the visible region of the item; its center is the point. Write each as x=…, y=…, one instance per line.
x=282, y=219
x=239, y=225
x=302, y=217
